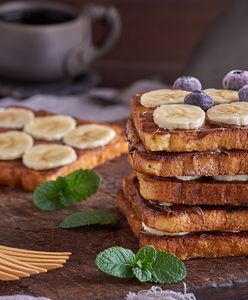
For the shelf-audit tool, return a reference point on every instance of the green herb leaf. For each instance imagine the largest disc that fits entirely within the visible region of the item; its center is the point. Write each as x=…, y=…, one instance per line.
x=142, y=275
x=90, y=217
x=65, y=191
x=145, y=257
x=116, y=261
x=47, y=197
x=82, y=184
x=167, y=268
x=147, y=265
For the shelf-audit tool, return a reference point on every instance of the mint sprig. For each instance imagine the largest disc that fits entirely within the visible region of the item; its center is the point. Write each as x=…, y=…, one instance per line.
x=65, y=191
x=116, y=261
x=89, y=217
x=147, y=265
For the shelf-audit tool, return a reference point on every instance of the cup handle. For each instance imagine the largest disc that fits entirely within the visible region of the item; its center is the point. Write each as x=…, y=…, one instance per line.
x=78, y=59
x=110, y=18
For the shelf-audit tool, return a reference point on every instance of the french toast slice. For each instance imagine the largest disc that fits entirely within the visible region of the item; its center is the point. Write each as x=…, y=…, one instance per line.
x=203, y=191
x=165, y=164
x=15, y=174
x=180, y=219
x=198, y=245
x=208, y=137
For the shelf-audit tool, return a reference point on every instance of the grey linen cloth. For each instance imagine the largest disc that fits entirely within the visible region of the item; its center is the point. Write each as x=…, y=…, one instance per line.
x=100, y=104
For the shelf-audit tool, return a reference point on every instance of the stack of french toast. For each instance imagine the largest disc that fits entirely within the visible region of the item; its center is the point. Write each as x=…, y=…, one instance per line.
x=188, y=148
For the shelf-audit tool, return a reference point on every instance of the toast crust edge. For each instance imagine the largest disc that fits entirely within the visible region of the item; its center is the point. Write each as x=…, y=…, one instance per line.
x=190, y=246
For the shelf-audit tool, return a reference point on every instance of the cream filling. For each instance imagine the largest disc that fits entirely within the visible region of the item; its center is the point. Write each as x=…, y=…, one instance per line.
x=165, y=204
x=231, y=178
x=163, y=233
x=217, y=178
x=188, y=178
x=158, y=232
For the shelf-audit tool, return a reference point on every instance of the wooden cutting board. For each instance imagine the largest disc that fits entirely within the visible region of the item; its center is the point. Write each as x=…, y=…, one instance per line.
x=24, y=226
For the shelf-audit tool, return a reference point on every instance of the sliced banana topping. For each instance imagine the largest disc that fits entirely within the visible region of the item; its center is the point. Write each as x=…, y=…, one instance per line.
x=221, y=96
x=90, y=136
x=188, y=178
x=48, y=156
x=15, y=118
x=231, y=178
x=50, y=128
x=232, y=114
x=158, y=232
x=179, y=116
x=13, y=144
x=165, y=96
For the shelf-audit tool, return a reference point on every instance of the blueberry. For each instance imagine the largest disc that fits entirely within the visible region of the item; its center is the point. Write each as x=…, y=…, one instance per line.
x=243, y=94
x=199, y=98
x=235, y=80
x=187, y=83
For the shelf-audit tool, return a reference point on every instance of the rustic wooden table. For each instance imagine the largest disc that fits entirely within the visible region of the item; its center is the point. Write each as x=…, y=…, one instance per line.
x=22, y=225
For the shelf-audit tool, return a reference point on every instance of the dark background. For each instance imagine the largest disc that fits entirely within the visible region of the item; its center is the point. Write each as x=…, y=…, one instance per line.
x=167, y=38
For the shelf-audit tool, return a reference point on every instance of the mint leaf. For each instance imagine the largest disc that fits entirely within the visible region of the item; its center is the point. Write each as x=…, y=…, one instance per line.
x=81, y=184
x=167, y=268
x=65, y=191
x=142, y=275
x=90, y=217
x=116, y=261
x=147, y=265
x=50, y=190
x=145, y=257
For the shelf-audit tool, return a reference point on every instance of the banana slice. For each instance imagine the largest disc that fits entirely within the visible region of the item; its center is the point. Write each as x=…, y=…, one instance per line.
x=231, y=178
x=13, y=144
x=50, y=128
x=48, y=156
x=231, y=114
x=179, y=116
x=188, y=178
x=89, y=136
x=15, y=118
x=221, y=96
x=165, y=96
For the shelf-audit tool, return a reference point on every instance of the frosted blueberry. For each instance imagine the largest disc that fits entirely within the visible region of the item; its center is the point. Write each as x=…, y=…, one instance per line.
x=187, y=83
x=235, y=80
x=199, y=98
x=243, y=94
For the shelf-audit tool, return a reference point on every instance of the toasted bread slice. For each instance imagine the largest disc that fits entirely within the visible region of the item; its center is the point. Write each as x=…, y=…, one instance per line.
x=15, y=174
x=199, y=245
x=184, y=218
x=164, y=164
x=208, y=137
x=203, y=191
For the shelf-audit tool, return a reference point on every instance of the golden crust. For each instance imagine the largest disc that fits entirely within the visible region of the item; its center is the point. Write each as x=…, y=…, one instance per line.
x=208, y=137
x=166, y=164
x=204, y=191
x=15, y=174
x=201, y=245
x=184, y=218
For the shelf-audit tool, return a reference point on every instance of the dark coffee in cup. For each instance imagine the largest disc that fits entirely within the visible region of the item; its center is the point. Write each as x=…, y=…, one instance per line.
x=49, y=41
x=37, y=17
